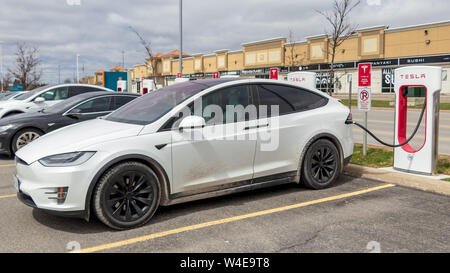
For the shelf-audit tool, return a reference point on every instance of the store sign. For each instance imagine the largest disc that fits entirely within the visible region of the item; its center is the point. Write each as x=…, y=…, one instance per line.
x=424, y=59
x=216, y=75
x=387, y=80
x=179, y=75
x=364, y=74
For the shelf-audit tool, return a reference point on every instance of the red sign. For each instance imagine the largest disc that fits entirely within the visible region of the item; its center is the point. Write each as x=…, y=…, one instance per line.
x=179, y=75
x=216, y=75
x=274, y=73
x=365, y=74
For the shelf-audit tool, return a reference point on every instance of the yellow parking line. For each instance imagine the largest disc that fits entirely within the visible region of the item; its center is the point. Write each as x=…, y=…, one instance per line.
x=226, y=220
x=7, y=196
x=8, y=165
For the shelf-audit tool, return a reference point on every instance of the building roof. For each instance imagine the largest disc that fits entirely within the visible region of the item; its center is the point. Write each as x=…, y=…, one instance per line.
x=118, y=67
x=175, y=53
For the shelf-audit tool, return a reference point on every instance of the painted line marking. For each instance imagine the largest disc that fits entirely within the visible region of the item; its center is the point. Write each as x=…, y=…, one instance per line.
x=226, y=220
x=8, y=165
x=7, y=196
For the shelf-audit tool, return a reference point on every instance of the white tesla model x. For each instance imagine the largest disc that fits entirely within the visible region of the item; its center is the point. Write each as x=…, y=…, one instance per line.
x=184, y=142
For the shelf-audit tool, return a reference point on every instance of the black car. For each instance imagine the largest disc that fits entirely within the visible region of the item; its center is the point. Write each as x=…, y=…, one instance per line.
x=18, y=130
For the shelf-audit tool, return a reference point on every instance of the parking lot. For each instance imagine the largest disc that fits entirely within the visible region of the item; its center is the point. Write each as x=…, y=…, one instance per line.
x=356, y=215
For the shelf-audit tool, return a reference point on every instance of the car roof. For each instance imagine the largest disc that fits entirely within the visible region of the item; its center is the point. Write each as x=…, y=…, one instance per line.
x=70, y=102
x=214, y=82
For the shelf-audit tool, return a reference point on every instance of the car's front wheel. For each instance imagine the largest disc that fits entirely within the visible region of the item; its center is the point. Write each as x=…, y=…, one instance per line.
x=24, y=137
x=127, y=196
x=321, y=165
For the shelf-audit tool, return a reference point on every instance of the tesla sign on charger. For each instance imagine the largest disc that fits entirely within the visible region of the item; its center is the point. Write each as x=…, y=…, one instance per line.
x=305, y=79
x=427, y=82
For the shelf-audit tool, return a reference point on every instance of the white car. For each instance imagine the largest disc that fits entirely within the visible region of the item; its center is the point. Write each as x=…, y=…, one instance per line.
x=172, y=146
x=43, y=97
x=9, y=96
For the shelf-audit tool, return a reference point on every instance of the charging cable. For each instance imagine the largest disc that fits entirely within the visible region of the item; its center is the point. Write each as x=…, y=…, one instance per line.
x=392, y=145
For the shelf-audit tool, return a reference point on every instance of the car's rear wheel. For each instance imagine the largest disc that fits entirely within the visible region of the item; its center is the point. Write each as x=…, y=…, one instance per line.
x=127, y=196
x=24, y=137
x=321, y=165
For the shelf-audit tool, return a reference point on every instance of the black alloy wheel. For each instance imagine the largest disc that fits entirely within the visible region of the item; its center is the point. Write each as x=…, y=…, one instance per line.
x=321, y=165
x=127, y=196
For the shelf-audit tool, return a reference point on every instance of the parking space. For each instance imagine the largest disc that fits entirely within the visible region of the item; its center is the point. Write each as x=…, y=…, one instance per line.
x=349, y=217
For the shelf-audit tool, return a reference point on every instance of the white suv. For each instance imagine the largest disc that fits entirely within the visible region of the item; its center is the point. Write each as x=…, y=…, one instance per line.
x=43, y=97
x=184, y=142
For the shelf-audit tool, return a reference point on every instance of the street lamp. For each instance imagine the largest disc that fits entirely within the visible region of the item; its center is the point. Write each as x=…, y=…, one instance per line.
x=181, y=37
x=78, y=76
x=1, y=66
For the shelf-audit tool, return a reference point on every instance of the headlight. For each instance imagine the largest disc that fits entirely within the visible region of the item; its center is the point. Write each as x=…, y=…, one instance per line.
x=66, y=160
x=6, y=127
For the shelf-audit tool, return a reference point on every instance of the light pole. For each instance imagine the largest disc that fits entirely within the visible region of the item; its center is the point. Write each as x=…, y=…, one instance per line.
x=181, y=37
x=1, y=65
x=78, y=76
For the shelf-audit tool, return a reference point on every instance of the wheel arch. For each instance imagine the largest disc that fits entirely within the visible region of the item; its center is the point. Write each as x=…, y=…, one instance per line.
x=148, y=161
x=15, y=111
x=327, y=136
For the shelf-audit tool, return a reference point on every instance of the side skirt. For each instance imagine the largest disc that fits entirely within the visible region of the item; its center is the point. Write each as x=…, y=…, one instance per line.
x=235, y=187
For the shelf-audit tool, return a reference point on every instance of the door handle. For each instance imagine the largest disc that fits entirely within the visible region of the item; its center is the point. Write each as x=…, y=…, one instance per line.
x=256, y=127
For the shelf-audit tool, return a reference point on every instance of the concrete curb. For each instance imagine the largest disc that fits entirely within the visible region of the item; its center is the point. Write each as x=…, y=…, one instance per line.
x=406, y=180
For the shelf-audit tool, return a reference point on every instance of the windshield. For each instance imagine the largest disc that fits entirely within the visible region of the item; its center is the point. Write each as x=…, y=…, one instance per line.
x=154, y=105
x=31, y=93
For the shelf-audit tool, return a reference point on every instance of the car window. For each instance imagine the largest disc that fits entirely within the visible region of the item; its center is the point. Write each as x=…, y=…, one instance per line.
x=301, y=99
x=154, y=105
x=102, y=104
x=230, y=96
x=76, y=90
x=269, y=98
x=120, y=101
x=60, y=93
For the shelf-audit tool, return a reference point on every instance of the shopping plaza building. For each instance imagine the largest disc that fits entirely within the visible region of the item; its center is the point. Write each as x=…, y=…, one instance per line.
x=386, y=48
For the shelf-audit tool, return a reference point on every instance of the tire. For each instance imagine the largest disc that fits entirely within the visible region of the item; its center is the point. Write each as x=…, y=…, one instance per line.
x=24, y=137
x=321, y=166
x=127, y=196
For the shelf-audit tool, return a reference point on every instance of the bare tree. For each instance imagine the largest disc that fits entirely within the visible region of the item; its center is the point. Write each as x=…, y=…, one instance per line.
x=148, y=50
x=340, y=29
x=295, y=58
x=6, y=81
x=27, y=70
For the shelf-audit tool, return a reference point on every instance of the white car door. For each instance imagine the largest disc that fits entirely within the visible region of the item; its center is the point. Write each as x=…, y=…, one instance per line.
x=219, y=154
x=280, y=143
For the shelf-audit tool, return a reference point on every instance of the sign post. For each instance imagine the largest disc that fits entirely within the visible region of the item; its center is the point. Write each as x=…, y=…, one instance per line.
x=364, y=95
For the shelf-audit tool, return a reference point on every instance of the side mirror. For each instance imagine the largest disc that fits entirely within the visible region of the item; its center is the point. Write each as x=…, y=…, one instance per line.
x=192, y=122
x=39, y=100
x=75, y=114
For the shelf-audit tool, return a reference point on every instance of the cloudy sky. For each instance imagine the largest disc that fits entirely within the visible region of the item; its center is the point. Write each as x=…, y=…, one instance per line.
x=99, y=29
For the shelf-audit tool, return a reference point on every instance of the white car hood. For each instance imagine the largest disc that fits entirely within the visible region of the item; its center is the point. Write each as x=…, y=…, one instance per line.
x=76, y=137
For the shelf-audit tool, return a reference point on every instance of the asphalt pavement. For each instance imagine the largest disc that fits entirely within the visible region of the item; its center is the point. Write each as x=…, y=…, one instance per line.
x=381, y=123
x=356, y=215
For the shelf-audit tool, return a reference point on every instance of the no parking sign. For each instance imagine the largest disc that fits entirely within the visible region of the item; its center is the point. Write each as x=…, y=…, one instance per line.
x=364, y=99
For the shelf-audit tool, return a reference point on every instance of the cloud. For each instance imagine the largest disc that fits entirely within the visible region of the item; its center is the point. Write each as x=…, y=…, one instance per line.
x=99, y=29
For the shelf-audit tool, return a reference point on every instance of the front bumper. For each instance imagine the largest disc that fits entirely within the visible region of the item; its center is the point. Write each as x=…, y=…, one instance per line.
x=39, y=185
x=5, y=143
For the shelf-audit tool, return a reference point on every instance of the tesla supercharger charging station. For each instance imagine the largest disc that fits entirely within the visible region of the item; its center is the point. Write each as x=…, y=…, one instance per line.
x=121, y=86
x=147, y=86
x=427, y=81
x=305, y=79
